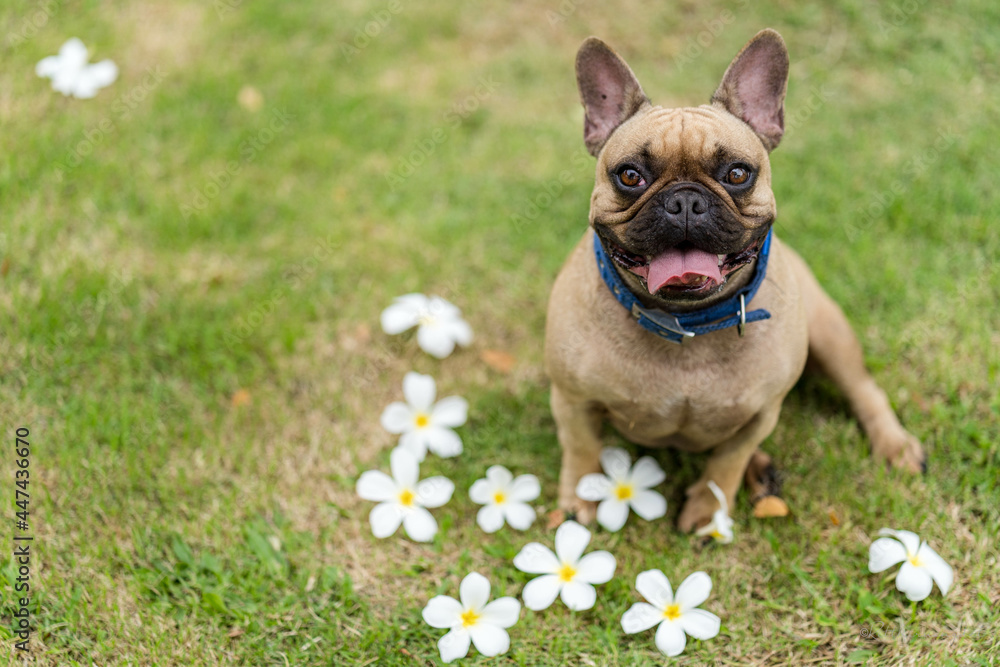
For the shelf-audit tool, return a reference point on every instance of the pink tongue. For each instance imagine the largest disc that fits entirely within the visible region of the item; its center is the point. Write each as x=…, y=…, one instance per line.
x=682, y=267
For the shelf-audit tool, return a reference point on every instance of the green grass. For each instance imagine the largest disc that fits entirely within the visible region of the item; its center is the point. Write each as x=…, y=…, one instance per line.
x=176, y=526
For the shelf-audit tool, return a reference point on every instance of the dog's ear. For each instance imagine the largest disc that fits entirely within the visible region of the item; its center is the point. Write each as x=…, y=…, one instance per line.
x=608, y=89
x=753, y=88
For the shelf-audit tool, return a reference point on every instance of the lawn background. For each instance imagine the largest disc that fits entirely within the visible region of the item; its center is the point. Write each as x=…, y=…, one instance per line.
x=198, y=357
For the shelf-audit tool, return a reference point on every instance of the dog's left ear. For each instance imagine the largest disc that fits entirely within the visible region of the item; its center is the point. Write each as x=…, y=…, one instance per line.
x=753, y=88
x=608, y=89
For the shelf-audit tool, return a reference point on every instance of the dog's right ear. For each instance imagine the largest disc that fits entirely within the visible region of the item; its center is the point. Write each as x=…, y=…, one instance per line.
x=608, y=89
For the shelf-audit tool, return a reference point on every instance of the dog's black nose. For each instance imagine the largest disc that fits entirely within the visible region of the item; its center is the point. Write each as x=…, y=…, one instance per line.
x=686, y=207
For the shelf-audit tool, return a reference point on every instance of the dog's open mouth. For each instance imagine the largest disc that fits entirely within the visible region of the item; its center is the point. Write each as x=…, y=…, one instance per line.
x=683, y=268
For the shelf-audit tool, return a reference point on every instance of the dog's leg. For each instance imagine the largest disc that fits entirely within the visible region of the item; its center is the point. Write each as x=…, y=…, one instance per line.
x=579, y=429
x=726, y=466
x=836, y=350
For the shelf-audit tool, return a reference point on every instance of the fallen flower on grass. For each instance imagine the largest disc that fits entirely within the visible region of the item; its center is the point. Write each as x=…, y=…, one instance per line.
x=423, y=423
x=721, y=525
x=922, y=566
x=439, y=323
x=403, y=499
x=567, y=573
x=472, y=620
x=676, y=614
x=504, y=498
x=623, y=486
x=70, y=73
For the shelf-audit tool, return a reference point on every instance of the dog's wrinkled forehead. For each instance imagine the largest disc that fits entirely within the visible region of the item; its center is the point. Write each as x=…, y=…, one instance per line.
x=689, y=143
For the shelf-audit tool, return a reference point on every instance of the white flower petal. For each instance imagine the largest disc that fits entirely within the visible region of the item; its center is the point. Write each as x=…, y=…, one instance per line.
x=435, y=491
x=648, y=504
x=639, y=617
x=655, y=587
x=594, y=486
x=597, y=567
x=474, y=592
x=397, y=418
x=719, y=495
x=489, y=639
x=435, y=340
x=616, y=462
x=670, y=638
x=884, y=553
x=541, y=592
x=48, y=67
x=458, y=329
x=519, y=515
x=442, y=611
x=94, y=77
x=914, y=581
x=385, y=519
x=439, y=308
x=940, y=571
x=502, y=612
x=490, y=518
x=454, y=645
x=420, y=391
x=909, y=539
x=647, y=473
x=451, y=411
x=376, y=485
x=498, y=476
x=399, y=317
x=612, y=514
x=571, y=540
x=524, y=488
x=419, y=525
x=404, y=466
x=443, y=441
x=693, y=591
x=481, y=492
x=535, y=558
x=415, y=443
x=578, y=595
x=700, y=624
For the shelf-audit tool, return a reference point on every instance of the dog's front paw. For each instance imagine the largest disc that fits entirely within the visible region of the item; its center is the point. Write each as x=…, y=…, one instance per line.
x=575, y=509
x=698, y=508
x=901, y=449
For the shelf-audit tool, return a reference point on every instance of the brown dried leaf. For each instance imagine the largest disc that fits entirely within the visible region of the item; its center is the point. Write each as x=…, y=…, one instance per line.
x=498, y=360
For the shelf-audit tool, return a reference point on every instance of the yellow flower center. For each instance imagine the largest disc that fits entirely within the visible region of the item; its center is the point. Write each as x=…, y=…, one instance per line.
x=916, y=562
x=673, y=612
x=422, y=420
x=623, y=491
x=469, y=618
x=566, y=572
x=499, y=497
x=716, y=534
x=406, y=498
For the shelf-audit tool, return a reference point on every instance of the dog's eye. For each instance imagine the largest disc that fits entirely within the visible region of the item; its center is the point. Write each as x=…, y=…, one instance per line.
x=629, y=177
x=738, y=176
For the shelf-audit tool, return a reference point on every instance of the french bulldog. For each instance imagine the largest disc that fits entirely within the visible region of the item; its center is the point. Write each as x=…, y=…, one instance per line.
x=680, y=317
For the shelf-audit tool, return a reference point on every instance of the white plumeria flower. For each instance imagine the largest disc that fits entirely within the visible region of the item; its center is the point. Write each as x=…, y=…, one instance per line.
x=403, y=499
x=504, y=499
x=922, y=566
x=676, y=614
x=624, y=486
x=472, y=619
x=440, y=324
x=567, y=572
x=721, y=526
x=70, y=73
x=424, y=423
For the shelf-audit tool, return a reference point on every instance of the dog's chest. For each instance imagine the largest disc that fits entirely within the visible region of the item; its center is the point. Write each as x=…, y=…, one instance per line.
x=689, y=409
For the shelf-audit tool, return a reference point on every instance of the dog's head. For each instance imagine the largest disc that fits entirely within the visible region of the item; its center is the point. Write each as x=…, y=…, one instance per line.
x=683, y=198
